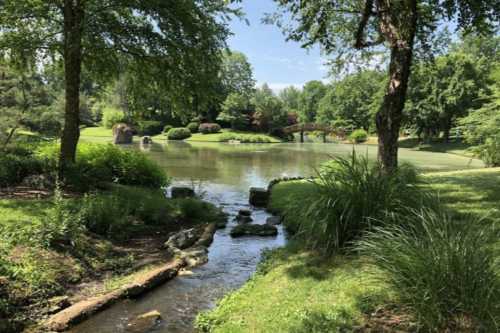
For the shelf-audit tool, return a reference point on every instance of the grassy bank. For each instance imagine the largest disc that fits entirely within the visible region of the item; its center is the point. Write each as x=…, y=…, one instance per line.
x=96, y=135
x=298, y=291
x=108, y=217
x=226, y=135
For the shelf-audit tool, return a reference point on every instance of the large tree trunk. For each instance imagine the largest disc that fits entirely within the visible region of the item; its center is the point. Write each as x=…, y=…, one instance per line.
x=388, y=118
x=73, y=24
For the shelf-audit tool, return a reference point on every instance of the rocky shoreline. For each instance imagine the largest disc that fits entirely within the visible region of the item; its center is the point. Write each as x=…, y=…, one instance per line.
x=194, y=255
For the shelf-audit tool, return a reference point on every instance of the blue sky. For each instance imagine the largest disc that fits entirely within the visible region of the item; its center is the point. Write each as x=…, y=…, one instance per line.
x=275, y=61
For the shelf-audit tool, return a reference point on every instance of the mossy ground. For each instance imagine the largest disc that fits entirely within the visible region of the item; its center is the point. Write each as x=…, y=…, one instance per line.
x=297, y=291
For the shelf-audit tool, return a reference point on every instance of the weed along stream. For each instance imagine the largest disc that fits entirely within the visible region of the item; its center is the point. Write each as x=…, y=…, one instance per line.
x=223, y=174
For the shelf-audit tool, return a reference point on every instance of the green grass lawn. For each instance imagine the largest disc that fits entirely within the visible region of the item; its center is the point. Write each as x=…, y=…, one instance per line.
x=198, y=137
x=295, y=291
x=96, y=135
x=452, y=147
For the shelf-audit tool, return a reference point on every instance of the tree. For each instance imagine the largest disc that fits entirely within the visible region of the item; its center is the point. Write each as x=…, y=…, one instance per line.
x=237, y=75
x=236, y=110
x=352, y=101
x=357, y=30
x=182, y=39
x=442, y=91
x=269, y=112
x=484, y=123
x=290, y=97
x=22, y=96
x=312, y=93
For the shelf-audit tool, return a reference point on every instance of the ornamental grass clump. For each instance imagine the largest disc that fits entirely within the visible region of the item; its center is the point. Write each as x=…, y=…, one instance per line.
x=445, y=271
x=352, y=196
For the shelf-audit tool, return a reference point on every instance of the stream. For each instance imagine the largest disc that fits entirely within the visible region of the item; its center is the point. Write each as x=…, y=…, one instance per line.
x=223, y=174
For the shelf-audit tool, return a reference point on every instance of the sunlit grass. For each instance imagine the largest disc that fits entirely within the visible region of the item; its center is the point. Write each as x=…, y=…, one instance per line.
x=301, y=292
x=298, y=292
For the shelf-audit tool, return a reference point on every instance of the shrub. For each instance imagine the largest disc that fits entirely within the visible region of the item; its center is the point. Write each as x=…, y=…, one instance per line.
x=352, y=195
x=14, y=167
x=167, y=128
x=358, y=136
x=193, y=127
x=443, y=270
x=101, y=163
x=244, y=138
x=149, y=127
x=208, y=128
x=112, y=116
x=178, y=133
x=489, y=152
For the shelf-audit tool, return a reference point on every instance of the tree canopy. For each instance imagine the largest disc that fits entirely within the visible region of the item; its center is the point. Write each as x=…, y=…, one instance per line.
x=352, y=31
x=182, y=39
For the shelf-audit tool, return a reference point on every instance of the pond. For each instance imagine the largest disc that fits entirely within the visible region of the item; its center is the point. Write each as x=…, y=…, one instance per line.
x=223, y=173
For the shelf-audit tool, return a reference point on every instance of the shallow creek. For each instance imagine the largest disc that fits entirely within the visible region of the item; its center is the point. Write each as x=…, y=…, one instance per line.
x=223, y=173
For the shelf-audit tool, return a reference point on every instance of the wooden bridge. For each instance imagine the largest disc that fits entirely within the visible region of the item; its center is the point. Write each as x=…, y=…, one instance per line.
x=310, y=127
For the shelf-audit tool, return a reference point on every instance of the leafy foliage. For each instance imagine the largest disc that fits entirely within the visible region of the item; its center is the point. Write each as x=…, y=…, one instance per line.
x=209, y=128
x=352, y=196
x=442, y=269
x=112, y=116
x=358, y=136
x=352, y=101
x=102, y=163
x=269, y=111
x=149, y=127
x=179, y=133
x=309, y=99
x=236, y=110
x=193, y=127
x=442, y=91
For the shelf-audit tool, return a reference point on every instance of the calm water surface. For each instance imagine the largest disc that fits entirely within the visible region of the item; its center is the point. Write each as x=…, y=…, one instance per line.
x=224, y=173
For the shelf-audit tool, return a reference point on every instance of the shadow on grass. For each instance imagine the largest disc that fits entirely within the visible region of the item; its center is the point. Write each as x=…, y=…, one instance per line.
x=435, y=146
x=341, y=321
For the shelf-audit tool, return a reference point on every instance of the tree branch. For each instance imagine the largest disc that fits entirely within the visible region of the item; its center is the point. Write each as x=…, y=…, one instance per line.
x=360, y=33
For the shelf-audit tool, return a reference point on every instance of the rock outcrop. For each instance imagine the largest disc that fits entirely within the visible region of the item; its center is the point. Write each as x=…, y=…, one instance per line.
x=182, y=192
x=254, y=230
x=259, y=197
x=122, y=134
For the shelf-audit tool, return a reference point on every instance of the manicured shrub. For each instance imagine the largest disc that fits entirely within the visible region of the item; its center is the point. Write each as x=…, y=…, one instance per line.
x=352, y=196
x=149, y=127
x=358, y=136
x=103, y=163
x=193, y=127
x=178, y=133
x=208, y=128
x=167, y=128
x=441, y=269
x=14, y=167
x=244, y=138
x=112, y=116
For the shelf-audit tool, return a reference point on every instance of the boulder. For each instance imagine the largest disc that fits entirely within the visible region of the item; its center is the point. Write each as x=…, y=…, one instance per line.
x=254, y=230
x=146, y=140
x=245, y=212
x=122, y=134
x=195, y=256
x=243, y=218
x=273, y=220
x=144, y=322
x=259, y=197
x=182, y=239
x=182, y=192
